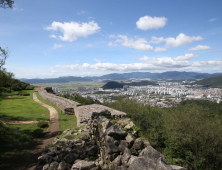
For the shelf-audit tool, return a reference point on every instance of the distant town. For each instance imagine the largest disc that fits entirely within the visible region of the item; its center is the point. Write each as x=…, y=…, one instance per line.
x=164, y=94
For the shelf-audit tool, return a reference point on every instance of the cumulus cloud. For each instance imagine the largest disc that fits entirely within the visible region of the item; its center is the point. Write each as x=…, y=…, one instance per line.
x=139, y=44
x=147, y=22
x=181, y=39
x=212, y=19
x=53, y=71
x=89, y=45
x=156, y=40
x=159, y=49
x=98, y=61
x=72, y=30
x=53, y=36
x=200, y=47
x=180, y=61
x=57, y=46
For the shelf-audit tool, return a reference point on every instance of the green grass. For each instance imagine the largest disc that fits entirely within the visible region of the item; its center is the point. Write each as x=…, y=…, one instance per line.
x=16, y=141
x=22, y=108
x=66, y=121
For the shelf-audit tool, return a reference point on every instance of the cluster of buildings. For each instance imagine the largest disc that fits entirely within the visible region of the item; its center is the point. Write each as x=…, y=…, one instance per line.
x=165, y=95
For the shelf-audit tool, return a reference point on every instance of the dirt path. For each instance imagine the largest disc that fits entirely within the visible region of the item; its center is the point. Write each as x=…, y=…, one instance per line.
x=31, y=159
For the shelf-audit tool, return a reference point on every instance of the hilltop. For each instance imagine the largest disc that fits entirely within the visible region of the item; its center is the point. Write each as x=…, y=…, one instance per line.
x=211, y=81
x=112, y=85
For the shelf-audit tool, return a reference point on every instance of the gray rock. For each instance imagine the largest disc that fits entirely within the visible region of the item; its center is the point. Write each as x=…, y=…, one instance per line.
x=123, y=144
x=131, y=159
x=117, y=162
x=70, y=158
x=126, y=156
x=83, y=165
x=142, y=163
x=45, y=159
x=138, y=144
x=111, y=148
x=161, y=165
x=175, y=167
x=129, y=126
x=106, y=124
x=151, y=153
x=62, y=166
x=45, y=167
x=54, y=165
x=116, y=133
x=130, y=139
x=109, y=139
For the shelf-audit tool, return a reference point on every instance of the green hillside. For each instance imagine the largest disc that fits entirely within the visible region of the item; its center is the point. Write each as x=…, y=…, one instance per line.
x=112, y=85
x=212, y=81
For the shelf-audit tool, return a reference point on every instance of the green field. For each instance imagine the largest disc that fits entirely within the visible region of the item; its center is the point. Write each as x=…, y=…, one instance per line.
x=22, y=108
x=73, y=85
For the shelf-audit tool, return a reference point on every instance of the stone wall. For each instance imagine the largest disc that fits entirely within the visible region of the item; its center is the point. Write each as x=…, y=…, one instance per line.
x=105, y=146
x=66, y=105
x=84, y=113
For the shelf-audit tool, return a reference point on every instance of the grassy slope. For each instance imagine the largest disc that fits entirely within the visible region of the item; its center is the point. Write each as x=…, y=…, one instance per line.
x=16, y=140
x=22, y=108
x=66, y=121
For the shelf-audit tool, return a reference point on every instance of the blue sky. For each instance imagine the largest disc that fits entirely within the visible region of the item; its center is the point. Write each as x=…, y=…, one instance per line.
x=55, y=38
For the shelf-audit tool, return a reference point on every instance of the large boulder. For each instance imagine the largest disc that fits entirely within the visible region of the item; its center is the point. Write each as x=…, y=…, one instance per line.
x=83, y=165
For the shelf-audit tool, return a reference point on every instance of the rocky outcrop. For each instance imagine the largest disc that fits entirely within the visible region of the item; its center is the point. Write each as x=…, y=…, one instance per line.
x=104, y=146
x=65, y=105
x=84, y=113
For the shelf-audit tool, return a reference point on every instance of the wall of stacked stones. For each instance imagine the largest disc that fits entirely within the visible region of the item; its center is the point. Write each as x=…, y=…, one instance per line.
x=105, y=146
x=66, y=105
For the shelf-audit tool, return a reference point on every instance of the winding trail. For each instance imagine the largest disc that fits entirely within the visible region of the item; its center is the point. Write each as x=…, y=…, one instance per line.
x=31, y=159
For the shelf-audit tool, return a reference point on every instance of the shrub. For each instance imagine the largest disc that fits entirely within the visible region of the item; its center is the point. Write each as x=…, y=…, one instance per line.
x=29, y=87
x=42, y=124
x=22, y=93
x=38, y=133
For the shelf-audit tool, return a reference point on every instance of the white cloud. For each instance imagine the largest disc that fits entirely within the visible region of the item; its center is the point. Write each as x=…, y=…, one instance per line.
x=159, y=49
x=53, y=36
x=208, y=63
x=72, y=30
x=186, y=57
x=111, y=23
x=53, y=71
x=89, y=45
x=51, y=68
x=147, y=22
x=139, y=44
x=156, y=40
x=98, y=61
x=200, y=47
x=212, y=19
x=46, y=53
x=181, y=39
x=112, y=44
x=180, y=61
x=81, y=12
x=111, y=36
x=57, y=46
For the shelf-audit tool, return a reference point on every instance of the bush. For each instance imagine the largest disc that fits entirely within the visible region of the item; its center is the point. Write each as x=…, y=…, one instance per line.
x=38, y=133
x=42, y=124
x=22, y=93
x=29, y=87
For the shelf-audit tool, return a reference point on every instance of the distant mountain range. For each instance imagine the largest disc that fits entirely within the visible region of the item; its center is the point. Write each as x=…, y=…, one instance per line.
x=125, y=76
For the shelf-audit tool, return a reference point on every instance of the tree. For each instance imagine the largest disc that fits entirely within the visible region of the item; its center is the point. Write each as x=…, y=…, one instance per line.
x=6, y=3
x=3, y=56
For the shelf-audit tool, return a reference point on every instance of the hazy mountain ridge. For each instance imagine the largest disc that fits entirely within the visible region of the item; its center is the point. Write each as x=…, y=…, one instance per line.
x=124, y=76
x=211, y=81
